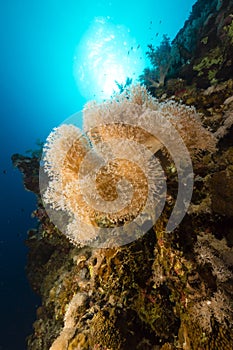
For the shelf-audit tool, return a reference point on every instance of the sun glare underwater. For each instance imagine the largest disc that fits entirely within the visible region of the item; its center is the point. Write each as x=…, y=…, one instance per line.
x=106, y=56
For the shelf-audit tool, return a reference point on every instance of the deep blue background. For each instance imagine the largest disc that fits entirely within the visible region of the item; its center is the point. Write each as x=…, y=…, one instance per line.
x=37, y=92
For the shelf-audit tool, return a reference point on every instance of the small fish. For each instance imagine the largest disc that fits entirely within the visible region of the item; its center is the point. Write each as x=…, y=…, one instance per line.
x=131, y=48
x=150, y=22
x=4, y=171
x=160, y=21
x=138, y=46
x=128, y=53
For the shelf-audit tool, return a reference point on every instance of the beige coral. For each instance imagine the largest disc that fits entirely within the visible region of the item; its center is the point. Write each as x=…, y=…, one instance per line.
x=137, y=104
x=108, y=176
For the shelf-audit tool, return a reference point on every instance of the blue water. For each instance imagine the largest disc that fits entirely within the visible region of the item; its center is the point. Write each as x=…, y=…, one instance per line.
x=39, y=40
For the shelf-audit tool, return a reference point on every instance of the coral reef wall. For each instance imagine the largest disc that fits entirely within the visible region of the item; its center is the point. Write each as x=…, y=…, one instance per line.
x=164, y=290
x=201, y=53
x=202, y=50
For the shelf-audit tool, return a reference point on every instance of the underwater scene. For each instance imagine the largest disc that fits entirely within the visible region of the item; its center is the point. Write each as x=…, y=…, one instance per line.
x=116, y=175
